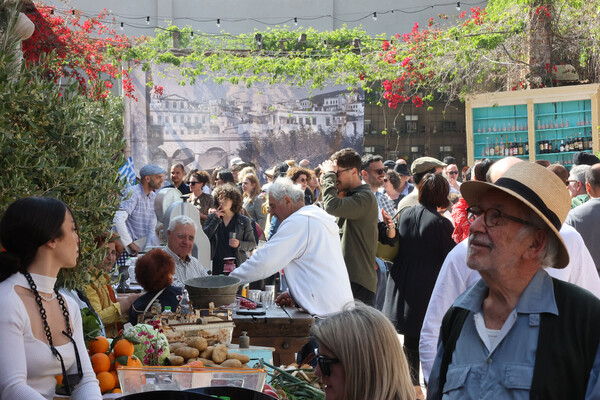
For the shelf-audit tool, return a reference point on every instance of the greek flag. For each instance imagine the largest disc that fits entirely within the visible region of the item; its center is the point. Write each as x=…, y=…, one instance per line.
x=127, y=172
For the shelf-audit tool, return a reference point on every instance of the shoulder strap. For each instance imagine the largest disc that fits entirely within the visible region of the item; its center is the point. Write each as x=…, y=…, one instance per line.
x=153, y=299
x=451, y=327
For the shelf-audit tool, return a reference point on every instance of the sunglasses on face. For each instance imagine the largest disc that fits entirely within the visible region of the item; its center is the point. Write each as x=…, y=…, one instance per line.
x=379, y=171
x=337, y=174
x=453, y=173
x=325, y=363
x=193, y=183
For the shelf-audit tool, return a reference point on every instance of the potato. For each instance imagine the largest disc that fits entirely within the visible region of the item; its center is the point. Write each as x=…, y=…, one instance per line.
x=219, y=354
x=198, y=343
x=176, y=360
x=237, y=356
x=206, y=361
x=232, y=363
x=175, y=346
x=191, y=360
x=207, y=353
x=187, y=352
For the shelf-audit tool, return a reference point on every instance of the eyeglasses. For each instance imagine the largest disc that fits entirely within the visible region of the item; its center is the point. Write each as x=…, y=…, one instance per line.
x=492, y=217
x=453, y=173
x=325, y=363
x=193, y=183
x=379, y=171
x=302, y=180
x=337, y=174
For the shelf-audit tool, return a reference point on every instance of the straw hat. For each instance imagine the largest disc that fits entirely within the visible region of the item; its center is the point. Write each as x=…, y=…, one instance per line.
x=539, y=189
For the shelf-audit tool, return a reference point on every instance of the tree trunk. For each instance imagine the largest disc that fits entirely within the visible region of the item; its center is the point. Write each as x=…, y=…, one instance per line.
x=540, y=43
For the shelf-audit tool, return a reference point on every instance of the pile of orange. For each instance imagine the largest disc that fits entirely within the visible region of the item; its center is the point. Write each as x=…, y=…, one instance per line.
x=105, y=362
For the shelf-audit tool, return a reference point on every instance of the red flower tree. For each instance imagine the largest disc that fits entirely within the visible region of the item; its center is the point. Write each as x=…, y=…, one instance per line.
x=77, y=47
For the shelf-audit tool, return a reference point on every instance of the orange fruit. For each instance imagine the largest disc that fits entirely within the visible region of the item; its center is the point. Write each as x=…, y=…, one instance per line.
x=132, y=361
x=123, y=348
x=98, y=345
x=106, y=381
x=116, y=376
x=59, y=379
x=100, y=362
x=117, y=390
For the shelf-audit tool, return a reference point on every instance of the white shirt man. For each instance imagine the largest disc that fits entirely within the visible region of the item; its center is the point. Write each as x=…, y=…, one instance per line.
x=180, y=242
x=307, y=247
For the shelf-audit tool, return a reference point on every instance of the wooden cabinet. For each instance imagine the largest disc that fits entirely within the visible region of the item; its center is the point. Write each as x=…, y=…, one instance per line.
x=551, y=124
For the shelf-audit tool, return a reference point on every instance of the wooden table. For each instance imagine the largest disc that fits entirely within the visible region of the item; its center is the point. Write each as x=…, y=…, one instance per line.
x=286, y=333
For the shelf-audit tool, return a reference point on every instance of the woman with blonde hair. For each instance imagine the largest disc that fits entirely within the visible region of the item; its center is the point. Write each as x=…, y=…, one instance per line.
x=252, y=201
x=366, y=361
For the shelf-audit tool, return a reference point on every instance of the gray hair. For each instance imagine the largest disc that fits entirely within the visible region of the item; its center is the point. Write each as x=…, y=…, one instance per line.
x=549, y=254
x=578, y=172
x=285, y=187
x=181, y=220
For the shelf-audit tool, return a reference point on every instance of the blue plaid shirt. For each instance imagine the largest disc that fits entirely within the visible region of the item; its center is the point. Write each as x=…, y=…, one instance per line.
x=136, y=218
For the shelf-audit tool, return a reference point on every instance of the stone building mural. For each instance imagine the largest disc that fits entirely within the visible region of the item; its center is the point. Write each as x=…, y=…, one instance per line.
x=205, y=125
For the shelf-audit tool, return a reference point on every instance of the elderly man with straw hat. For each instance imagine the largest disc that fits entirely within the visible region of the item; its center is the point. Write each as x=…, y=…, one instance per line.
x=518, y=333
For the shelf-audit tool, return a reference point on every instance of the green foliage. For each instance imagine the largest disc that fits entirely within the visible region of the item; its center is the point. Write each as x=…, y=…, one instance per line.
x=55, y=142
x=90, y=324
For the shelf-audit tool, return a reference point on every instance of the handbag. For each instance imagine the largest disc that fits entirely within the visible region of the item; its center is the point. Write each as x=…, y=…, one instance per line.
x=386, y=252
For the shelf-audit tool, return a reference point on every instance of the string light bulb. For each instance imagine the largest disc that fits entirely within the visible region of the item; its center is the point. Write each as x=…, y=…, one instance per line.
x=295, y=21
x=148, y=20
x=192, y=34
x=218, y=22
x=375, y=16
x=122, y=25
x=52, y=12
x=458, y=6
x=73, y=12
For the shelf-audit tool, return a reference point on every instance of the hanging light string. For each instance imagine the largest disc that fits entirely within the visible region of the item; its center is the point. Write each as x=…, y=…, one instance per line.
x=342, y=17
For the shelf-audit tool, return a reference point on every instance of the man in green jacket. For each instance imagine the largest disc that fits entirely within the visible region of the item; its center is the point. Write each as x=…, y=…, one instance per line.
x=355, y=206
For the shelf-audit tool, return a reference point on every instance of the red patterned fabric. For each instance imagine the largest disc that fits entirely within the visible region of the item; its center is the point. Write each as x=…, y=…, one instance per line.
x=461, y=225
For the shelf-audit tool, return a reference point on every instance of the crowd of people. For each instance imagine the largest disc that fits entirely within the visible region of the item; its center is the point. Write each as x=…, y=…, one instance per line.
x=488, y=273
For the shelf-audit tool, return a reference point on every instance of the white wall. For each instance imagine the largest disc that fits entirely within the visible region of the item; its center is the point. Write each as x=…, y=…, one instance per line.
x=269, y=12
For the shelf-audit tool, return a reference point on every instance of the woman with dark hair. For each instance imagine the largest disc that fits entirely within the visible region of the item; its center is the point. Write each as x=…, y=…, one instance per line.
x=154, y=271
x=202, y=201
x=110, y=308
x=224, y=176
x=425, y=239
x=392, y=183
x=231, y=234
x=41, y=330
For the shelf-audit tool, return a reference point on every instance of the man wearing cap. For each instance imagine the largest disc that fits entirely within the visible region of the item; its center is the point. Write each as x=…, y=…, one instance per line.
x=518, y=333
x=135, y=221
x=576, y=185
x=586, y=217
x=357, y=217
x=177, y=174
x=419, y=168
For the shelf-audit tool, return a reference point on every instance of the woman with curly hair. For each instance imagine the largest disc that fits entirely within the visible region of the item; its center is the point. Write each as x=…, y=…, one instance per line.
x=154, y=271
x=366, y=361
x=301, y=176
x=230, y=233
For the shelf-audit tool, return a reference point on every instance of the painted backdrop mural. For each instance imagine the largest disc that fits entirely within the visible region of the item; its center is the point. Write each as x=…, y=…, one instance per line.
x=205, y=125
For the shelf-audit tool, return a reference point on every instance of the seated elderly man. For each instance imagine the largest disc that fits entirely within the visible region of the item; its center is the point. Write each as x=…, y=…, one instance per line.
x=518, y=333
x=307, y=246
x=180, y=242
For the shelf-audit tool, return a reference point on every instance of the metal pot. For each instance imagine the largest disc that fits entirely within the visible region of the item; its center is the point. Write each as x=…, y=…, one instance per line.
x=221, y=290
